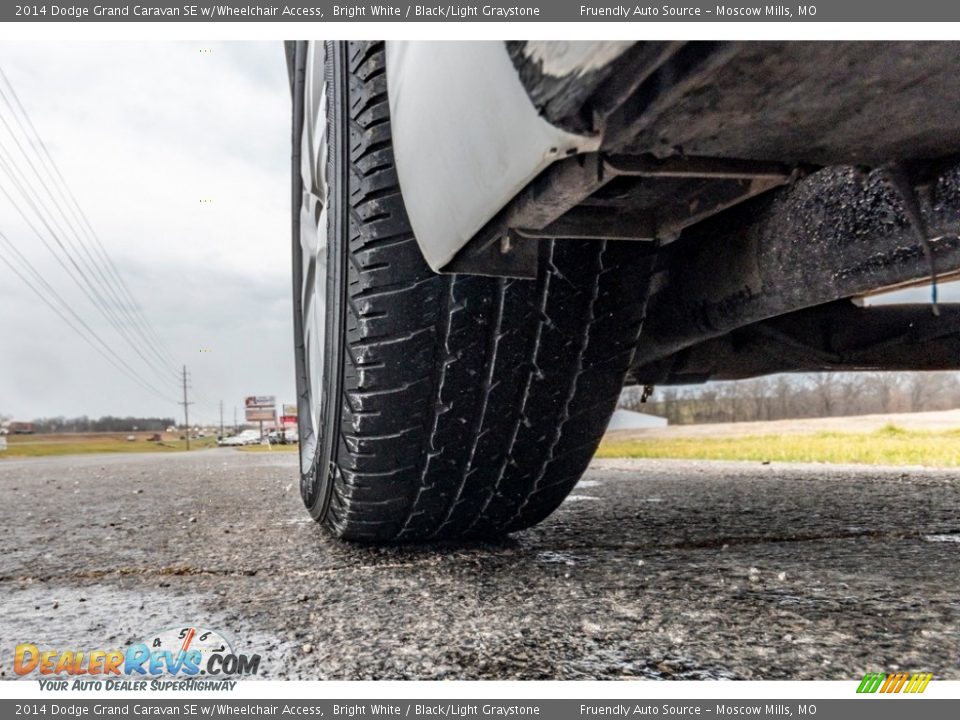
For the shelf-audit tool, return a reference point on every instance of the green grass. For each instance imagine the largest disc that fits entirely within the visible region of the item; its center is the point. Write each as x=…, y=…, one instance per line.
x=271, y=448
x=35, y=446
x=890, y=445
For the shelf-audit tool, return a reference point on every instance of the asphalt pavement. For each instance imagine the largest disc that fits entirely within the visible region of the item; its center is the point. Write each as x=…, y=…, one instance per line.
x=651, y=569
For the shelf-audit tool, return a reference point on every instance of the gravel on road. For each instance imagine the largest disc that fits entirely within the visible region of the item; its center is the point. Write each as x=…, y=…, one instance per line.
x=651, y=569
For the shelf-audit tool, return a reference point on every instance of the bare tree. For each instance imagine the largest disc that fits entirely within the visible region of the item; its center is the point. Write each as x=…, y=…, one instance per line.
x=630, y=398
x=926, y=390
x=885, y=387
x=851, y=389
x=824, y=387
x=787, y=396
x=783, y=391
x=762, y=394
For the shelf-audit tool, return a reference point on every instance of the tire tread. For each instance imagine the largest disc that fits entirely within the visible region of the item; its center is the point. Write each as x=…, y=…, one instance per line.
x=471, y=405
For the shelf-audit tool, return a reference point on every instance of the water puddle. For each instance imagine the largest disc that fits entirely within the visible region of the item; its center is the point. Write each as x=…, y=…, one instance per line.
x=951, y=538
x=557, y=558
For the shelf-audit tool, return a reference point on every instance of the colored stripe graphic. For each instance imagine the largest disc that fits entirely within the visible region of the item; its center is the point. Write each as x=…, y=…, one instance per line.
x=918, y=683
x=871, y=682
x=894, y=683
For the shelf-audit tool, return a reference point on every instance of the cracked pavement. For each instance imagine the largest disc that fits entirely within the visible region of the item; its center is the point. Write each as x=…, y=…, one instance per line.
x=651, y=569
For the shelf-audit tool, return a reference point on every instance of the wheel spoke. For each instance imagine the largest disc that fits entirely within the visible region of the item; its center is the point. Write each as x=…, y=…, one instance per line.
x=313, y=247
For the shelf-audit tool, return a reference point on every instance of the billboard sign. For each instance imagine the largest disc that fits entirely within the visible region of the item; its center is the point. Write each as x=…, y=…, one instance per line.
x=290, y=410
x=259, y=414
x=288, y=420
x=260, y=401
x=260, y=408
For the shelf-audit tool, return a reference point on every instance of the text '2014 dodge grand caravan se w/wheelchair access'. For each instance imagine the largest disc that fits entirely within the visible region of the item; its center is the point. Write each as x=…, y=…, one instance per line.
x=491, y=238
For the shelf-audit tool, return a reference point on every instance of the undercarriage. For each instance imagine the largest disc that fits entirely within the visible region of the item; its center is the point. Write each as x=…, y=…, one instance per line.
x=775, y=184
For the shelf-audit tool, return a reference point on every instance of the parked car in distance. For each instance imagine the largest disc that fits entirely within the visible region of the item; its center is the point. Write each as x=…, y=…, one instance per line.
x=246, y=437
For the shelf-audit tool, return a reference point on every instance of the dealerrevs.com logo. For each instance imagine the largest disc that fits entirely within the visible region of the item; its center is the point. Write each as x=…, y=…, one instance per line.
x=177, y=658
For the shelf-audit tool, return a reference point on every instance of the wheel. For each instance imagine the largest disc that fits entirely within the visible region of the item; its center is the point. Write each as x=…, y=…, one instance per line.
x=435, y=406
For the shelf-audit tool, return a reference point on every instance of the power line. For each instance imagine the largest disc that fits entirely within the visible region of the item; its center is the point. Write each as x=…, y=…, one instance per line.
x=118, y=363
x=64, y=187
x=22, y=185
x=87, y=272
x=89, y=262
x=104, y=348
x=90, y=294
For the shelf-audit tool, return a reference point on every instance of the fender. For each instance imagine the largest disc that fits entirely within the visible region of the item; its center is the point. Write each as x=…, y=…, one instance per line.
x=466, y=135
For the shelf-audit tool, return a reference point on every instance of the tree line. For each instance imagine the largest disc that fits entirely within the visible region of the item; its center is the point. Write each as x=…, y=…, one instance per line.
x=107, y=423
x=778, y=397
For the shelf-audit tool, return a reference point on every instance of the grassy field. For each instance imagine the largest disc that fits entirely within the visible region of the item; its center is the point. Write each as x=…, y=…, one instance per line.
x=269, y=448
x=890, y=445
x=19, y=446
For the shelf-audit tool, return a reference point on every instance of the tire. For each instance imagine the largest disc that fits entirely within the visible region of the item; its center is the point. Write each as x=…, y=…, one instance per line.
x=448, y=406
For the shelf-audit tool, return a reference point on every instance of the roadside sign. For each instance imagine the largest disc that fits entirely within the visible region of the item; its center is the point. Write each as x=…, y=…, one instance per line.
x=260, y=408
x=259, y=414
x=288, y=420
x=260, y=401
x=290, y=410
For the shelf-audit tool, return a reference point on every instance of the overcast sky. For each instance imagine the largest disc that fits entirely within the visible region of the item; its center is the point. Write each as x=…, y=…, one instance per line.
x=143, y=133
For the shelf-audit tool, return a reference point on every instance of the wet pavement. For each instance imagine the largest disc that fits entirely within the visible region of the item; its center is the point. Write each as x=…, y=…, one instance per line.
x=651, y=569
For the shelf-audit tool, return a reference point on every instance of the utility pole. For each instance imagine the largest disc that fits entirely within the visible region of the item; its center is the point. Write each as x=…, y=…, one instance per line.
x=186, y=406
x=234, y=419
x=221, y=418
